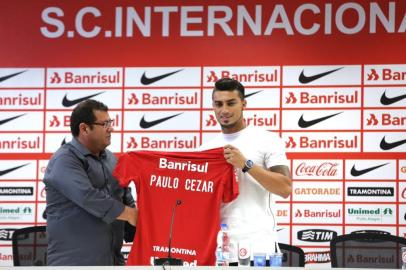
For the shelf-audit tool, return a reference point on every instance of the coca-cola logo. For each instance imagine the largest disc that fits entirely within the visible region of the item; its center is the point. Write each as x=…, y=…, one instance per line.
x=404, y=193
x=323, y=169
x=43, y=193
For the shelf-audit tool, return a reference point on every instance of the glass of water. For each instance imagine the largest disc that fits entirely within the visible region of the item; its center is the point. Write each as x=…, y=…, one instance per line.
x=275, y=259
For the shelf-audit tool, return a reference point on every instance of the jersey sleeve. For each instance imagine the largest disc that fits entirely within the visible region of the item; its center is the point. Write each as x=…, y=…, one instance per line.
x=275, y=152
x=231, y=185
x=125, y=170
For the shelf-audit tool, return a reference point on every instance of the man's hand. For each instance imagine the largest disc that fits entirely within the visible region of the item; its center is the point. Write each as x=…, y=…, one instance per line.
x=275, y=179
x=129, y=214
x=234, y=156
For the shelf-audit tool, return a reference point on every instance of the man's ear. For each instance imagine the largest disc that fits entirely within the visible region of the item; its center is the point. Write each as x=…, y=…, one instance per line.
x=83, y=128
x=244, y=104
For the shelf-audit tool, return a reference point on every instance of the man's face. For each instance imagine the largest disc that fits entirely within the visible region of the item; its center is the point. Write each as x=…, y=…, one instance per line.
x=100, y=136
x=228, y=108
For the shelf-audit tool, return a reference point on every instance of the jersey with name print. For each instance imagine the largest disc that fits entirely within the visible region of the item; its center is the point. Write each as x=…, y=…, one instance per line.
x=189, y=185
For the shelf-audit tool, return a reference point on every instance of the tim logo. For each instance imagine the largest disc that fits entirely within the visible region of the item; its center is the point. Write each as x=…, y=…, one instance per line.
x=316, y=235
x=373, y=75
x=291, y=99
x=6, y=233
x=55, y=79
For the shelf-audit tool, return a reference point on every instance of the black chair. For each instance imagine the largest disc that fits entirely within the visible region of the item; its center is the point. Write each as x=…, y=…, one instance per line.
x=30, y=246
x=292, y=255
x=367, y=250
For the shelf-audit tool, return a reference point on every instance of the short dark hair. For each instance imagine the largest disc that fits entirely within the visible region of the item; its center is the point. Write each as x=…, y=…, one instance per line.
x=84, y=113
x=228, y=84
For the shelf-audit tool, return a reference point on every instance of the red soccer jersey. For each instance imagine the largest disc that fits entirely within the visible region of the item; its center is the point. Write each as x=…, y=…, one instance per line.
x=200, y=181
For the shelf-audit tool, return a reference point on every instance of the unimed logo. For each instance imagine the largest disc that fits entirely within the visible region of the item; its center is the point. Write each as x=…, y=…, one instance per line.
x=370, y=215
x=370, y=212
x=11, y=211
x=316, y=235
x=371, y=191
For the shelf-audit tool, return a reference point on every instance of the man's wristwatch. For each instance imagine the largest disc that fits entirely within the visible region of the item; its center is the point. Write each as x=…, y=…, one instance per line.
x=248, y=165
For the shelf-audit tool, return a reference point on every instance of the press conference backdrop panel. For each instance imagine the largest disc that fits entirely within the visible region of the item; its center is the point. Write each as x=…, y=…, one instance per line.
x=329, y=78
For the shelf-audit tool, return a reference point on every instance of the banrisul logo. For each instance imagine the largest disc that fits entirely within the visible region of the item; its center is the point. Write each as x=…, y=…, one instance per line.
x=316, y=235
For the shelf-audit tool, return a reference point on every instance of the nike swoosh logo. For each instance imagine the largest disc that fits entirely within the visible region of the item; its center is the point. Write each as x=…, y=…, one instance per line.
x=305, y=124
x=3, y=78
x=388, y=101
x=355, y=172
x=307, y=79
x=9, y=119
x=248, y=95
x=148, y=124
x=70, y=102
x=3, y=172
x=146, y=81
x=388, y=146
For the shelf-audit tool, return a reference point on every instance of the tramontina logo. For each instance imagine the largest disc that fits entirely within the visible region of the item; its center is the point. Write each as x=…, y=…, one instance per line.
x=16, y=191
x=371, y=191
x=316, y=235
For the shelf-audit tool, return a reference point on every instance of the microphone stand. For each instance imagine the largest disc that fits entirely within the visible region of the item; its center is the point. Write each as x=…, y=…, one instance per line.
x=169, y=260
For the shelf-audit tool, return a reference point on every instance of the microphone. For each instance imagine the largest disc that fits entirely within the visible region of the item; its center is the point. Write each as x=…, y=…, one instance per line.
x=169, y=260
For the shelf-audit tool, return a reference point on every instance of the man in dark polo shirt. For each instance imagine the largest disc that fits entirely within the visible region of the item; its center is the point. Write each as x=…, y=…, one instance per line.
x=85, y=212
